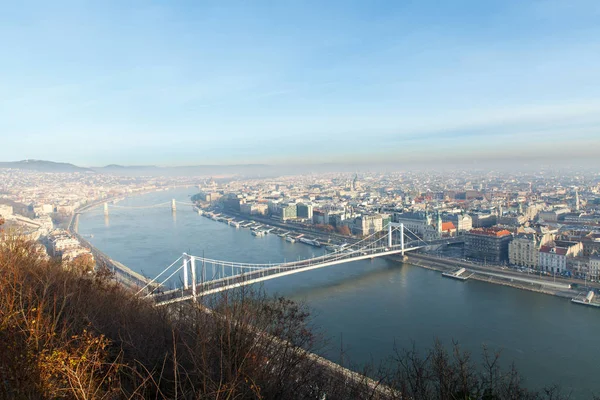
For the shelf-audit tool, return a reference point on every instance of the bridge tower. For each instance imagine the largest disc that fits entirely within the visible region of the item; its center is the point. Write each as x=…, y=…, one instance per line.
x=189, y=262
x=391, y=225
x=194, y=283
x=173, y=205
x=184, y=260
x=105, y=208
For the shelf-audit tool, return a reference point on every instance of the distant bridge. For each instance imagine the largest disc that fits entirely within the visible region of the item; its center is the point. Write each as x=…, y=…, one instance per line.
x=111, y=204
x=203, y=276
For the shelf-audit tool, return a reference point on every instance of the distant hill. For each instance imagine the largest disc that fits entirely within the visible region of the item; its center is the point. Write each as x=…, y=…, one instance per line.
x=120, y=167
x=247, y=170
x=117, y=169
x=194, y=170
x=43, y=166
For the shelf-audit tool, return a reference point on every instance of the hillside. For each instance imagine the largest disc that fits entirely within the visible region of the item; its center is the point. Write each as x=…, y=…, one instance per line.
x=69, y=334
x=43, y=166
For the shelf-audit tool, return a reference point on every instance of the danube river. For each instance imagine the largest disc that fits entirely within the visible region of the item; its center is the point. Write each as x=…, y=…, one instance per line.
x=371, y=304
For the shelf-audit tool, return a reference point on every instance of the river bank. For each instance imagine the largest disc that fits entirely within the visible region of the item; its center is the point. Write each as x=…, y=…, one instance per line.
x=326, y=236
x=495, y=277
x=123, y=274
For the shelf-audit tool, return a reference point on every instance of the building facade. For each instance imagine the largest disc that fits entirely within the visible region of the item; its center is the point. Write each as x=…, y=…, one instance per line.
x=553, y=215
x=488, y=244
x=524, y=249
x=289, y=211
x=368, y=224
x=208, y=197
x=554, y=259
x=483, y=220
x=462, y=222
x=594, y=267
x=304, y=211
x=254, y=208
x=418, y=223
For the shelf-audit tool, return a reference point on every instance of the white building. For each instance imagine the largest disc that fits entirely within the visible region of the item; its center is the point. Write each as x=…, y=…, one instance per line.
x=60, y=242
x=368, y=224
x=254, y=208
x=553, y=259
x=421, y=224
x=594, y=267
x=417, y=222
x=6, y=210
x=43, y=209
x=462, y=222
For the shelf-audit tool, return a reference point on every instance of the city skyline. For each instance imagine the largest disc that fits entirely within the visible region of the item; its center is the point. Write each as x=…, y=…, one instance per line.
x=300, y=83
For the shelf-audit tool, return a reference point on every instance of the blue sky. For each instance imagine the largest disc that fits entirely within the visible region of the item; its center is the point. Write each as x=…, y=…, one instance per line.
x=184, y=83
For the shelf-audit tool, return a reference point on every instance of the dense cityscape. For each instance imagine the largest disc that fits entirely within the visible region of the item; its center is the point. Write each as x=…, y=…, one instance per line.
x=537, y=231
x=541, y=222
x=300, y=200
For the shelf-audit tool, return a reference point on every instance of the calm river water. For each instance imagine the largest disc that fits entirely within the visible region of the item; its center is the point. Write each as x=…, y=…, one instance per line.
x=371, y=304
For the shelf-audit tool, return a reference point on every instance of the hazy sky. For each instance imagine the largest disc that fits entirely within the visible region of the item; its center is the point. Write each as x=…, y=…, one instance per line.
x=176, y=83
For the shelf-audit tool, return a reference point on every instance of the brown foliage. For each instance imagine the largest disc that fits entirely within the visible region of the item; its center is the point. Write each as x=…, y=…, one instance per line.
x=326, y=228
x=68, y=334
x=344, y=230
x=43, y=356
x=83, y=263
x=74, y=335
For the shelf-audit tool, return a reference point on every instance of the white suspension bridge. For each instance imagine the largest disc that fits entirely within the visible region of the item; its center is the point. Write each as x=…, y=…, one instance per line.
x=202, y=276
x=173, y=204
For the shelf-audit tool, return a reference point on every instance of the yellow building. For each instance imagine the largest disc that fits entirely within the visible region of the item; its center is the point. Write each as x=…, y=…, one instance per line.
x=524, y=249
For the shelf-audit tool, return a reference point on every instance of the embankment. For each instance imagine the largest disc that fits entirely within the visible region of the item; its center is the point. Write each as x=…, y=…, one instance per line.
x=500, y=277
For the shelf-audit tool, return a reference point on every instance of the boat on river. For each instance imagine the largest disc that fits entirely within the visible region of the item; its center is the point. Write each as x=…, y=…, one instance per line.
x=310, y=242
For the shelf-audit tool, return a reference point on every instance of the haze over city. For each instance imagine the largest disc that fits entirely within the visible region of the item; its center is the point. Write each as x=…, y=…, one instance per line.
x=299, y=82
x=299, y=199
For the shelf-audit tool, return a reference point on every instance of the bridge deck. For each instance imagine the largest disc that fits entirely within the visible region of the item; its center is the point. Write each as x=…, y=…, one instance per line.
x=260, y=275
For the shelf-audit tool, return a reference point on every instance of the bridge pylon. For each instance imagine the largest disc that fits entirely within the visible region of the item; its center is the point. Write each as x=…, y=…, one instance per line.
x=105, y=208
x=189, y=262
x=184, y=260
x=173, y=205
x=392, y=225
x=194, y=282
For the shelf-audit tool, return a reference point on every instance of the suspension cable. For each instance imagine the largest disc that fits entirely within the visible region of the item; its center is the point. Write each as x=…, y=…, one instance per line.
x=158, y=276
x=169, y=277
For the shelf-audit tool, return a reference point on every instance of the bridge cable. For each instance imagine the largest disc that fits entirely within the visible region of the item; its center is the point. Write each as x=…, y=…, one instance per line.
x=158, y=276
x=169, y=277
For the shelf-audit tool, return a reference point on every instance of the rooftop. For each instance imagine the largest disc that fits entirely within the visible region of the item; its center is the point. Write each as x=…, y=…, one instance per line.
x=554, y=250
x=448, y=226
x=497, y=232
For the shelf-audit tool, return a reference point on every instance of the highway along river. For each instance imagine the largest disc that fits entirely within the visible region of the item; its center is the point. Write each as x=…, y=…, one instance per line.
x=371, y=303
